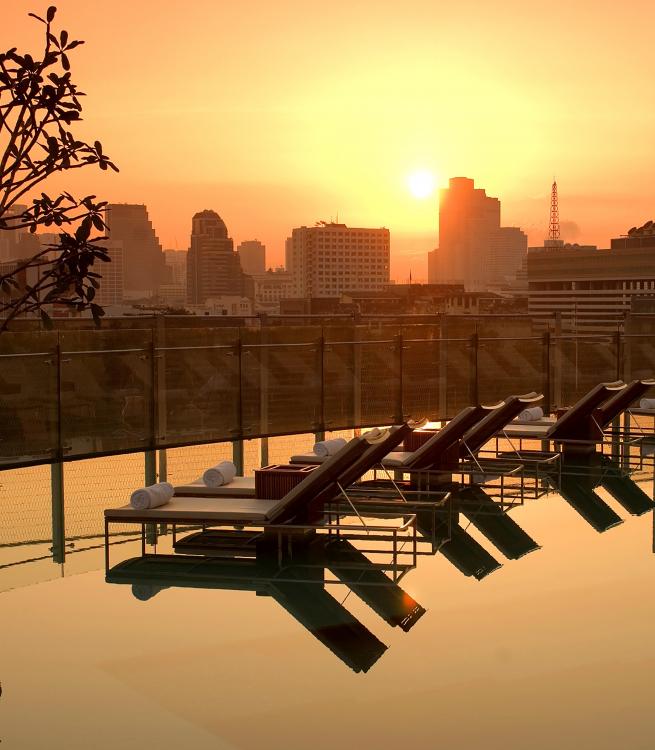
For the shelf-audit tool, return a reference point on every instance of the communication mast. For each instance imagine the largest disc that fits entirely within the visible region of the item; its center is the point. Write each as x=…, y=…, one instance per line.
x=553, y=226
x=553, y=230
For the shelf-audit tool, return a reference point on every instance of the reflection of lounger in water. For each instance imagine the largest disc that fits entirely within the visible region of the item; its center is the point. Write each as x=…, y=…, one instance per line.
x=579, y=480
x=298, y=587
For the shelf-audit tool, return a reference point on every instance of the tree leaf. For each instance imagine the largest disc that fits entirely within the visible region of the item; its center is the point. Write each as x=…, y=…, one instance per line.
x=50, y=15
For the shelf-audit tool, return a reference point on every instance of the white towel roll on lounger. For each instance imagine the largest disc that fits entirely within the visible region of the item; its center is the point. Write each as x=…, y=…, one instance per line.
x=152, y=497
x=532, y=414
x=328, y=447
x=220, y=474
x=647, y=403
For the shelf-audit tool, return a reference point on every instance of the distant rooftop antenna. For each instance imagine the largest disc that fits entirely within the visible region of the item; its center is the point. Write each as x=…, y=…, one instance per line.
x=553, y=227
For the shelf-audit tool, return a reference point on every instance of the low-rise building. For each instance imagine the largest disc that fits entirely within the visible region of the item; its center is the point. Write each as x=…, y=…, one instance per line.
x=592, y=289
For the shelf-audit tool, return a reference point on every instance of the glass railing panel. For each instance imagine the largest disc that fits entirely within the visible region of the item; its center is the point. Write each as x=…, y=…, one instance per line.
x=197, y=386
x=377, y=371
x=341, y=390
x=424, y=378
x=28, y=397
x=106, y=391
x=639, y=356
x=456, y=359
x=281, y=380
x=580, y=363
x=509, y=367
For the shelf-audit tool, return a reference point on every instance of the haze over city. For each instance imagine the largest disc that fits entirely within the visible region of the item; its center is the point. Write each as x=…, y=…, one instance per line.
x=277, y=115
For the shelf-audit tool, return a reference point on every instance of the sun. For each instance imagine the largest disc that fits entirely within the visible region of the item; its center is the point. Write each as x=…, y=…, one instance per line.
x=421, y=183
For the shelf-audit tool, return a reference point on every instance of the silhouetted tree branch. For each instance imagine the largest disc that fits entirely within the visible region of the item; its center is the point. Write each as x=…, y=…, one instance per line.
x=38, y=104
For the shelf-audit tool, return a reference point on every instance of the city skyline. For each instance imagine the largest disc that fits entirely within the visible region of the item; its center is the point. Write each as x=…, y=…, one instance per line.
x=341, y=134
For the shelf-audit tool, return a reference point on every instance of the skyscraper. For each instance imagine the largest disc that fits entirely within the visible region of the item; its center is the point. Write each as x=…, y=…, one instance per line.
x=330, y=259
x=474, y=249
x=144, y=267
x=213, y=267
x=252, y=255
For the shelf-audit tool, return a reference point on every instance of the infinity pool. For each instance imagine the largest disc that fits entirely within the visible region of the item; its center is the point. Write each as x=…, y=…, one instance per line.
x=553, y=650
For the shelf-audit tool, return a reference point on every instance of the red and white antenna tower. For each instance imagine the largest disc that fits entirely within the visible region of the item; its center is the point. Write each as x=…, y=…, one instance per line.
x=553, y=227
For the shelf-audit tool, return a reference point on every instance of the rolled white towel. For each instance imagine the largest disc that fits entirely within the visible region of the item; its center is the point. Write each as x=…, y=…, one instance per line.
x=328, y=447
x=647, y=403
x=220, y=474
x=532, y=414
x=153, y=496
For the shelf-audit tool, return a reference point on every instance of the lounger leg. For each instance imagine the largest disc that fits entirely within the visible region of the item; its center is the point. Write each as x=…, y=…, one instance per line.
x=106, y=546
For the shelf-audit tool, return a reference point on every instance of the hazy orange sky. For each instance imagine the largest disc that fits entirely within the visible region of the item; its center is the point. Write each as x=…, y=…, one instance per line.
x=277, y=114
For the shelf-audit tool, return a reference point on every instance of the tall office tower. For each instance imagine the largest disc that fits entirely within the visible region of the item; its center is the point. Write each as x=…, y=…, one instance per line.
x=213, y=268
x=144, y=266
x=474, y=249
x=330, y=259
x=252, y=254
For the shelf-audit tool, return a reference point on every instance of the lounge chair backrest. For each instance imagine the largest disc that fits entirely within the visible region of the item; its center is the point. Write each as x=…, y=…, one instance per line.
x=325, y=475
x=433, y=454
x=619, y=402
x=485, y=430
x=577, y=422
x=374, y=454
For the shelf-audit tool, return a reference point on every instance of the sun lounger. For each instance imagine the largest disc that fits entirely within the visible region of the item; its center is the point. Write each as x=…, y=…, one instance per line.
x=620, y=401
x=295, y=504
x=462, y=437
x=245, y=486
x=441, y=451
x=303, y=504
x=577, y=423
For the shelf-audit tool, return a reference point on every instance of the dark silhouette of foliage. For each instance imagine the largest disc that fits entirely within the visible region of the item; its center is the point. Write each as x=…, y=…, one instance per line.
x=38, y=105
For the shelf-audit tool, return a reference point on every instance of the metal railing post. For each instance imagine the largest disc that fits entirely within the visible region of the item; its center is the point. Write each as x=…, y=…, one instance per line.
x=150, y=471
x=263, y=452
x=319, y=422
x=618, y=343
x=557, y=364
x=58, y=516
x=357, y=379
x=57, y=477
x=238, y=456
x=443, y=370
x=237, y=445
x=626, y=353
x=545, y=366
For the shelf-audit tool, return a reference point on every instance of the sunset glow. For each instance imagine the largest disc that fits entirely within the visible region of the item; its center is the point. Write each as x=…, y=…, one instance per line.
x=280, y=114
x=421, y=183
